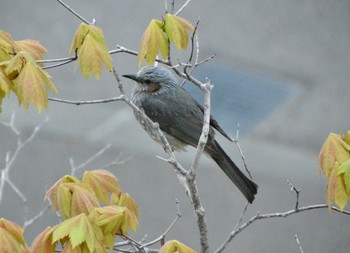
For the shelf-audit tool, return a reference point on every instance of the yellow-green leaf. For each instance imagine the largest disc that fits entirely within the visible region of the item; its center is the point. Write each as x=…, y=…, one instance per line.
x=15, y=65
x=43, y=242
x=102, y=182
x=114, y=220
x=52, y=193
x=83, y=201
x=8, y=243
x=5, y=82
x=347, y=138
x=7, y=46
x=153, y=40
x=31, y=86
x=333, y=150
x=175, y=246
x=335, y=189
x=176, y=29
x=124, y=199
x=31, y=46
x=92, y=50
x=77, y=230
x=11, y=237
x=344, y=172
x=74, y=198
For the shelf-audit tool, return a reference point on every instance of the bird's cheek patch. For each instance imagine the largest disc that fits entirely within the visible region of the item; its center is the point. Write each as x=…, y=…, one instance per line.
x=153, y=87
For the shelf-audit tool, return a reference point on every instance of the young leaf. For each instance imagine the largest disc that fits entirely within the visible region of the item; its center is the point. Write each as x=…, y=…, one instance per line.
x=333, y=150
x=52, y=193
x=30, y=85
x=92, y=50
x=335, y=189
x=15, y=65
x=344, y=172
x=175, y=246
x=114, y=220
x=83, y=201
x=77, y=230
x=11, y=237
x=102, y=182
x=334, y=160
x=124, y=199
x=153, y=40
x=8, y=243
x=5, y=83
x=347, y=139
x=43, y=242
x=74, y=198
x=176, y=29
x=31, y=46
x=7, y=46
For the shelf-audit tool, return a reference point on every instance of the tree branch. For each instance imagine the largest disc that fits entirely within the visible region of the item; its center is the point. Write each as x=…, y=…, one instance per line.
x=259, y=216
x=76, y=13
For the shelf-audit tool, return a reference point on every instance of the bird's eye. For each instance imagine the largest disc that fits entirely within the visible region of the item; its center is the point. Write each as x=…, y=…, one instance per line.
x=147, y=81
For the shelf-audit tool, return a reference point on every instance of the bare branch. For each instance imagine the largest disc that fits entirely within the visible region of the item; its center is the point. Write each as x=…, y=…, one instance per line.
x=242, y=216
x=69, y=60
x=259, y=216
x=87, y=102
x=299, y=245
x=10, y=160
x=162, y=236
x=76, y=13
x=11, y=124
x=297, y=191
x=241, y=151
x=205, y=129
x=74, y=168
x=182, y=7
x=36, y=217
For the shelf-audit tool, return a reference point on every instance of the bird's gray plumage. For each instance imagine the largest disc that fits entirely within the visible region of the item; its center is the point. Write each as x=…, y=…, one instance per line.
x=180, y=117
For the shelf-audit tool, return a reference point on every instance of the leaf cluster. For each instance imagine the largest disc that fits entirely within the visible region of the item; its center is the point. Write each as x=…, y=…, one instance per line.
x=94, y=212
x=92, y=215
x=91, y=48
x=334, y=161
x=158, y=36
x=20, y=74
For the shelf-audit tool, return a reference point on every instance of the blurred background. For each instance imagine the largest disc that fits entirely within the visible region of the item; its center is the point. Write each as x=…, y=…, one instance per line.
x=281, y=71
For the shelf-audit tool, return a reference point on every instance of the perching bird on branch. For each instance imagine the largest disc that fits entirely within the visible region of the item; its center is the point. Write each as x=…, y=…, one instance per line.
x=180, y=117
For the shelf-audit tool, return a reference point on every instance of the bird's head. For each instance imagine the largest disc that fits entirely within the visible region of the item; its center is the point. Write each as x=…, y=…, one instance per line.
x=153, y=79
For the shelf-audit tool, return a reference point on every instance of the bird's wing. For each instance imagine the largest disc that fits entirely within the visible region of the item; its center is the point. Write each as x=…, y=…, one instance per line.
x=177, y=114
x=215, y=124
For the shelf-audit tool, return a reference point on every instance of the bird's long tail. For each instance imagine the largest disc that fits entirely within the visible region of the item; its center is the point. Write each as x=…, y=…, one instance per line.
x=244, y=184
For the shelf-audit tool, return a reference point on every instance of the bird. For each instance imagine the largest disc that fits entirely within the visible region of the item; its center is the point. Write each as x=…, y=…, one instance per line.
x=180, y=117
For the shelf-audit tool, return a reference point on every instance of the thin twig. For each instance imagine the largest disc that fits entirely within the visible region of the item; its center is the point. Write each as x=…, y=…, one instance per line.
x=57, y=60
x=59, y=64
x=162, y=236
x=87, y=102
x=259, y=216
x=74, y=169
x=35, y=217
x=242, y=216
x=182, y=7
x=205, y=129
x=10, y=160
x=297, y=192
x=76, y=13
x=172, y=6
x=241, y=151
x=299, y=245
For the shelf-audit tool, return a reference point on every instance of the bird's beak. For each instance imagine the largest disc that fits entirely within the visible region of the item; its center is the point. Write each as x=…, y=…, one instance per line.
x=132, y=77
